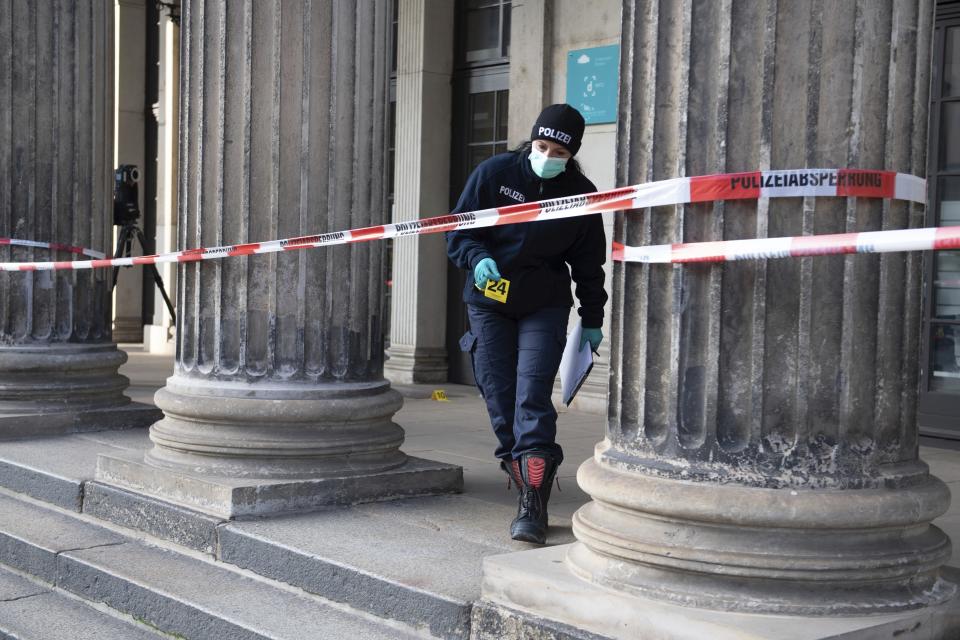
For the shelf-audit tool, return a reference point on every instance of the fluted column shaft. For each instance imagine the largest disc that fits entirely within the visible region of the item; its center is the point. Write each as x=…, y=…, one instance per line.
x=279, y=363
x=761, y=451
x=57, y=359
x=423, y=124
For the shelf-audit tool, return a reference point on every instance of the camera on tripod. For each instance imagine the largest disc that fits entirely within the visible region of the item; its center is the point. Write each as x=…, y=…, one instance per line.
x=126, y=195
x=126, y=212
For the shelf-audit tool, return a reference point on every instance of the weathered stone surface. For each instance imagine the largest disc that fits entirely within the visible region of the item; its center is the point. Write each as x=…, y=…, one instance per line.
x=31, y=612
x=494, y=622
x=522, y=591
x=239, y=497
x=417, y=561
x=128, y=415
x=177, y=593
x=31, y=537
x=14, y=587
x=279, y=370
x=278, y=402
x=58, y=364
x=55, y=469
x=761, y=450
x=742, y=548
x=164, y=520
x=199, y=599
x=761, y=445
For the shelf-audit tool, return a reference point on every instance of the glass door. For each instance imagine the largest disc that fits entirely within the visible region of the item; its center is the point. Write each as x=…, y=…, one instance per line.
x=940, y=379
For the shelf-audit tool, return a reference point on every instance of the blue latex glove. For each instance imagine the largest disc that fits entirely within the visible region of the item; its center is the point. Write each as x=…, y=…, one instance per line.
x=593, y=336
x=485, y=270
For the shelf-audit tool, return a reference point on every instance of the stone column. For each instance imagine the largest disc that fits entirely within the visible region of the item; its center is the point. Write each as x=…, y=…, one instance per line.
x=422, y=188
x=761, y=452
x=58, y=363
x=278, y=400
x=158, y=335
x=761, y=449
x=129, y=123
x=531, y=58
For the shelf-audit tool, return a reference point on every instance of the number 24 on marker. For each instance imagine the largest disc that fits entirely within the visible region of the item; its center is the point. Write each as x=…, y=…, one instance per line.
x=497, y=290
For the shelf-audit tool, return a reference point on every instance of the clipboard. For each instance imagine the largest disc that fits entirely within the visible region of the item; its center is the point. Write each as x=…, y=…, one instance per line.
x=575, y=364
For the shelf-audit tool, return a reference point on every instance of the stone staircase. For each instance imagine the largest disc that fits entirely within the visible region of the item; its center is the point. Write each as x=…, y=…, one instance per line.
x=124, y=566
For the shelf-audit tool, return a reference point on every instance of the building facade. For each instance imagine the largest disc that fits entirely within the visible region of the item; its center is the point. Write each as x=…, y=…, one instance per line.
x=482, y=70
x=760, y=454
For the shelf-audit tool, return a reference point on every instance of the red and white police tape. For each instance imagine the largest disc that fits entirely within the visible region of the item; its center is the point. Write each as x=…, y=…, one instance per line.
x=793, y=247
x=51, y=246
x=730, y=186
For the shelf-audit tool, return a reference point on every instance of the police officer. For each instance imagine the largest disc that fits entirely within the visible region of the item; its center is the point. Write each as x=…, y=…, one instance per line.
x=518, y=301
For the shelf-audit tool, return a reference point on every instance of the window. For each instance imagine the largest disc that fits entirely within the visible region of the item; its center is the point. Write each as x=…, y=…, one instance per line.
x=484, y=31
x=945, y=311
x=487, y=126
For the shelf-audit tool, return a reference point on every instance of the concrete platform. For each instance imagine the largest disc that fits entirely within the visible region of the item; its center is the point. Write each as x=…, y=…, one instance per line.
x=55, y=469
x=129, y=416
x=252, y=497
x=534, y=589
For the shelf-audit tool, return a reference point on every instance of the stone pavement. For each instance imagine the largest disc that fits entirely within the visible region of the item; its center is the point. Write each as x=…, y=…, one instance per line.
x=458, y=432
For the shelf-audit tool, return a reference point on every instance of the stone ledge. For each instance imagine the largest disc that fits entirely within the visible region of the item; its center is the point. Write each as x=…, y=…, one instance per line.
x=232, y=498
x=494, y=622
x=29, y=425
x=158, y=518
x=522, y=590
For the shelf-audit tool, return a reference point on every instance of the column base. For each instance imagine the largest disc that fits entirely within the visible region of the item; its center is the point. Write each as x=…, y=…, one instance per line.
x=416, y=365
x=252, y=497
x=127, y=329
x=66, y=387
x=133, y=415
x=737, y=548
x=526, y=592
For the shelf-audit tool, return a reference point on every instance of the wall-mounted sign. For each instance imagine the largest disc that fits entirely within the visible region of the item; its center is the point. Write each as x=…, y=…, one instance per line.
x=592, y=76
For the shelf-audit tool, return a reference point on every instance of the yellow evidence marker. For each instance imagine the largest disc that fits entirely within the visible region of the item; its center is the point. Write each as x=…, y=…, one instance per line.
x=440, y=395
x=497, y=290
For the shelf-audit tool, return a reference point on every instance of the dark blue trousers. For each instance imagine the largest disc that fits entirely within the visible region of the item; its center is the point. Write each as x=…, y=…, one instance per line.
x=515, y=361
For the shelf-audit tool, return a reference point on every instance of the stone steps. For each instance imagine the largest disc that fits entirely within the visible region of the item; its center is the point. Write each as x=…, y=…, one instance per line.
x=175, y=591
x=54, y=469
x=416, y=561
x=30, y=611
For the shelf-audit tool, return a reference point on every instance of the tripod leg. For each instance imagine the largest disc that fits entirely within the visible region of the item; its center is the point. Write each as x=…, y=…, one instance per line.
x=156, y=276
x=123, y=248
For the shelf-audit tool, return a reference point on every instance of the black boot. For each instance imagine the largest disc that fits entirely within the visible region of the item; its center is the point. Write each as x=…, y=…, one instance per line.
x=537, y=471
x=512, y=469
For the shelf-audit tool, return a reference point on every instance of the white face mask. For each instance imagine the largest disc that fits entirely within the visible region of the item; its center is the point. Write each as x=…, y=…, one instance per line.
x=546, y=167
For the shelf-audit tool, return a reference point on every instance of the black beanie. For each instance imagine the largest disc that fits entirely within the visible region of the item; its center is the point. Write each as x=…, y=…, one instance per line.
x=559, y=123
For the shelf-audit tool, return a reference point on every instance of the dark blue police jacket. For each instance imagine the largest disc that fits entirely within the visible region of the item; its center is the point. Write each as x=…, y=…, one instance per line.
x=533, y=256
